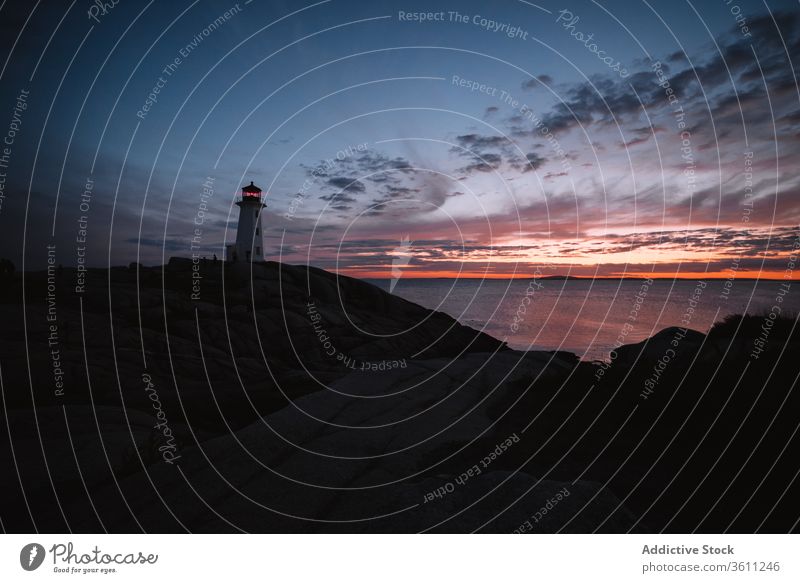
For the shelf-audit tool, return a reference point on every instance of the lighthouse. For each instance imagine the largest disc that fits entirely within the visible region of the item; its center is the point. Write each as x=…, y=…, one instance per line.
x=249, y=243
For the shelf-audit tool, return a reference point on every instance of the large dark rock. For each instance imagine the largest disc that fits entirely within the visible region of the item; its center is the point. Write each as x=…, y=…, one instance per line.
x=672, y=343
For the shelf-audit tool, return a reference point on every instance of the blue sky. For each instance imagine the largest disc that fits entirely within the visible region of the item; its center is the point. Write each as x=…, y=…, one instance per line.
x=275, y=88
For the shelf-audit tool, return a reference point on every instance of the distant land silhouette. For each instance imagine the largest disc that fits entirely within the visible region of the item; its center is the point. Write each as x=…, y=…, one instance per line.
x=683, y=276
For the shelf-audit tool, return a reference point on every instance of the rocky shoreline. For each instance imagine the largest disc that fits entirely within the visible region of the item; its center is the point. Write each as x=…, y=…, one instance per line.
x=277, y=398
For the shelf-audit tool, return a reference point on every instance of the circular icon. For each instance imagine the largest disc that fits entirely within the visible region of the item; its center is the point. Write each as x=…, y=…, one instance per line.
x=31, y=556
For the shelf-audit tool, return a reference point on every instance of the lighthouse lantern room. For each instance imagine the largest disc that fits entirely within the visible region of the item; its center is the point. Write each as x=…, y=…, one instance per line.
x=249, y=244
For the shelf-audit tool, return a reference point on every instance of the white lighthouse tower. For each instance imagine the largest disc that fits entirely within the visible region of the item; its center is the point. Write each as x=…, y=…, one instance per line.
x=249, y=244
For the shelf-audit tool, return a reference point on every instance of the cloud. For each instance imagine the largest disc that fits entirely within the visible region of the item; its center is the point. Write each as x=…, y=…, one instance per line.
x=717, y=78
x=487, y=162
x=397, y=191
x=641, y=135
x=371, y=162
x=168, y=244
x=339, y=197
x=532, y=161
x=346, y=183
x=436, y=190
x=479, y=142
x=537, y=82
x=487, y=153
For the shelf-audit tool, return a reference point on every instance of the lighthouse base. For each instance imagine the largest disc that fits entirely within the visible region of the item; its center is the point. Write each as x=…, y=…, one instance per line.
x=234, y=254
x=230, y=253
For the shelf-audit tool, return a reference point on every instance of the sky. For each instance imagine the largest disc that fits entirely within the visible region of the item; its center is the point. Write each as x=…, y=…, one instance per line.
x=466, y=139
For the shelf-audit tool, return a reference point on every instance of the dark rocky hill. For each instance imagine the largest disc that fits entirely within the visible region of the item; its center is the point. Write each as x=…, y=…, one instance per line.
x=279, y=398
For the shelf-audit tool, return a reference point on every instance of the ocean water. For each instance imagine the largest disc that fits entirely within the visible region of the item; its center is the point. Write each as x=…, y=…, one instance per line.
x=587, y=317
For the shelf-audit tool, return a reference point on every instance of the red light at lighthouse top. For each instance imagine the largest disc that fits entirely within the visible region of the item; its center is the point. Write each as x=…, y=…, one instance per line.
x=251, y=192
